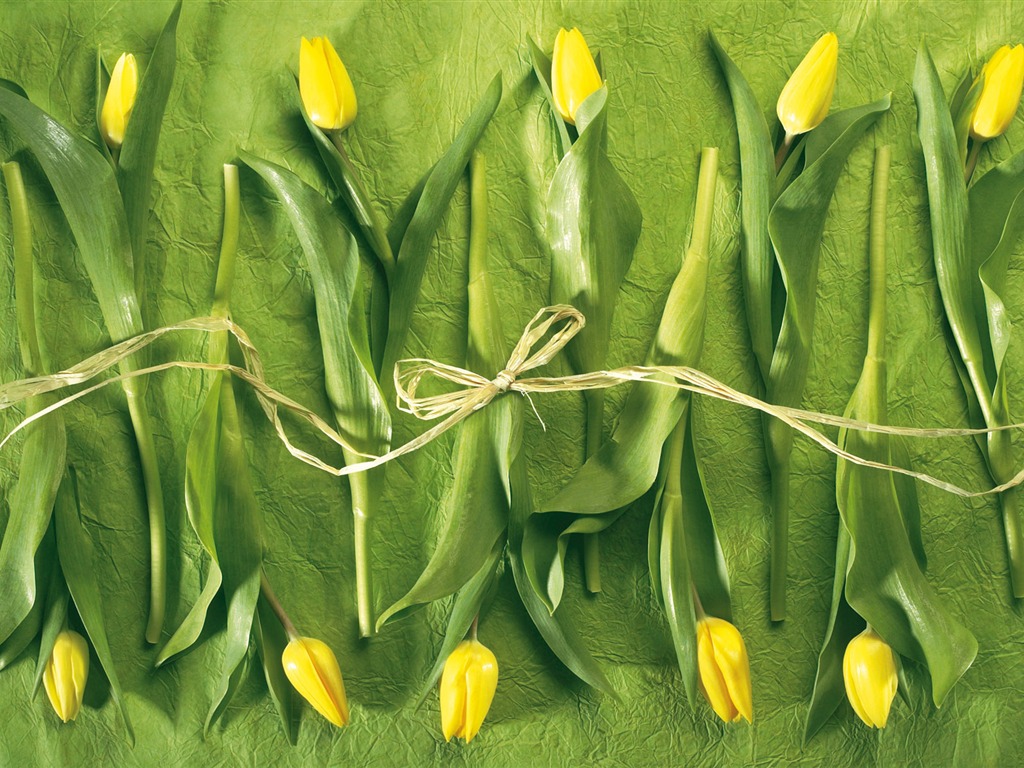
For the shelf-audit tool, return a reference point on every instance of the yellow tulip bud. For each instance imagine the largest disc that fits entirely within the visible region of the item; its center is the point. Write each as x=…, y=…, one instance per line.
x=869, y=671
x=574, y=74
x=313, y=671
x=724, y=670
x=119, y=101
x=806, y=99
x=468, y=683
x=1002, y=78
x=326, y=89
x=65, y=674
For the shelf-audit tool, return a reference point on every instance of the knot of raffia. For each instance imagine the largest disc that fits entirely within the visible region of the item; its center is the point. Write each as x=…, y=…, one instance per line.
x=556, y=325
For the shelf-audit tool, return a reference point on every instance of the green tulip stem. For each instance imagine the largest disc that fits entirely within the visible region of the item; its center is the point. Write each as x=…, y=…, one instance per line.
x=972, y=160
x=1010, y=507
x=276, y=607
x=135, y=394
x=876, y=250
x=24, y=295
x=779, y=467
x=365, y=213
x=473, y=627
x=228, y=244
x=780, y=156
x=360, y=490
x=591, y=542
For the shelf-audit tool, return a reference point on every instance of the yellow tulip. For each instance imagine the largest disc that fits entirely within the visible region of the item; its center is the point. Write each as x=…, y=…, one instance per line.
x=574, y=74
x=468, y=683
x=1002, y=78
x=806, y=99
x=65, y=674
x=724, y=670
x=869, y=671
x=119, y=101
x=325, y=87
x=313, y=671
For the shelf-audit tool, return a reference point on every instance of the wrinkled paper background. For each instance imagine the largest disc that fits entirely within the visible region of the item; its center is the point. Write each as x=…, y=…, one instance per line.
x=418, y=69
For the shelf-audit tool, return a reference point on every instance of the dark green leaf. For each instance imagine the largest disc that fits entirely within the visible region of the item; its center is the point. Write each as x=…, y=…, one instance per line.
x=593, y=224
x=757, y=176
x=333, y=261
x=75, y=549
x=419, y=234
x=270, y=643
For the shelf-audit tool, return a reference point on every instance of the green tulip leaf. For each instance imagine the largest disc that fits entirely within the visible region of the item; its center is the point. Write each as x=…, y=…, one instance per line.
x=468, y=604
x=55, y=612
x=476, y=509
x=75, y=550
x=973, y=234
x=28, y=629
x=141, y=136
x=333, y=262
x=271, y=641
x=542, y=69
x=593, y=224
x=418, y=234
x=626, y=465
x=757, y=177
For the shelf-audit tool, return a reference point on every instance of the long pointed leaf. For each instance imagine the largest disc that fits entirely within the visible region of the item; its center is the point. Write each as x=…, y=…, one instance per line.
x=75, y=549
x=141, y=136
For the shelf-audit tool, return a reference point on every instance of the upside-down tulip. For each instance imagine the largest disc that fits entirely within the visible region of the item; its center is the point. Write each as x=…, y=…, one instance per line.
x=326, y=89
x=468, y=682
x=1002, y=79
x=869, y=672
x=119, y=100
x=806, y=99
x=574, y=75
x=313, y=671
x=65, y=674
x=724, y=670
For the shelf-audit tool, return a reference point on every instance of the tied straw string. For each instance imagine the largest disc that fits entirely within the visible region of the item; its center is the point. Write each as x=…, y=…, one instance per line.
x=555, y=326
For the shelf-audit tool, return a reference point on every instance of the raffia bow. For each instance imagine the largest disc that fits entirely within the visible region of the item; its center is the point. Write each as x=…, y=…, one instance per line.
x=555, y=325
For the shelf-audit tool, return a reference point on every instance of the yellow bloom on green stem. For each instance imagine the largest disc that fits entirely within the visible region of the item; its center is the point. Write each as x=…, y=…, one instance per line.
x=326, y=89
x=119, y=101
x=468, y=683
x=806, y=99
x=869, y=671
x=724, y=670
x=574, y=74
x=1002, y=78
x=313, y=671
x=65, y=674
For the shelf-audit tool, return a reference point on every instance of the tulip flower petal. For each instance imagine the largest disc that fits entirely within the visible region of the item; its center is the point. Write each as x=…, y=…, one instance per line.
x=119, y=100
x=869, y=672
x=574, y=75
x=1003, y=78
x=807, y=96
x=724, y=670
x=468, y=683
x=345, y=93
x=313, y=670
x=316, y=87
x=66, y=673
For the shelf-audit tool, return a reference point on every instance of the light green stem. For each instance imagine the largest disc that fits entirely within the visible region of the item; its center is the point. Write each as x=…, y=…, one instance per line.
x=275, y=605
x=591, y=542
x=876, y=251
x=359, y=487
x=780, y=536
x=154, y=505
x=24, y=292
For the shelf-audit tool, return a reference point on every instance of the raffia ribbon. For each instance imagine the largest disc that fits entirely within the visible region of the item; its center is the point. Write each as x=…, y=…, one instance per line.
x=554, y=325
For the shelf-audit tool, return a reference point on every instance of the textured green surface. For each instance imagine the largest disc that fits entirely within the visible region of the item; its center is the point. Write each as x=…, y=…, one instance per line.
x=419, y=68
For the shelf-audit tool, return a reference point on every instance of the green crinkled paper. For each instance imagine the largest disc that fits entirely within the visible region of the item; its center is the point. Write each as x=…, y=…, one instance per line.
x=419, y=68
